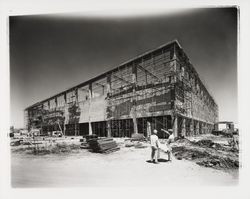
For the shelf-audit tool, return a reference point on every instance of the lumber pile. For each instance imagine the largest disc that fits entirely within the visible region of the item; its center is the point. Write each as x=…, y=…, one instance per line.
x=103, y=145
x=89, y=137
x=85, y=141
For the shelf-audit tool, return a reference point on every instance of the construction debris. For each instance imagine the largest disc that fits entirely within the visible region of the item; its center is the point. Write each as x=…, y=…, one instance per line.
x=206, y=152
x=219, y=163
x=16, y=143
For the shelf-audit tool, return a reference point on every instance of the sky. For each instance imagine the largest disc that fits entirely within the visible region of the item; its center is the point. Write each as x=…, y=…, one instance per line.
x=50, y=53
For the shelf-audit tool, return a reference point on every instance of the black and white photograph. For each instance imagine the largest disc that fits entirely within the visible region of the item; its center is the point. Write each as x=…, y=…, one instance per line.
x=111, y=99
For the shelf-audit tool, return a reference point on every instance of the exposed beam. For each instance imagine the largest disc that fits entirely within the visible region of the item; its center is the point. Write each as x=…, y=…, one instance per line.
x=99, y=84
x=148, y=72
x=120, y=78
x=139, y=88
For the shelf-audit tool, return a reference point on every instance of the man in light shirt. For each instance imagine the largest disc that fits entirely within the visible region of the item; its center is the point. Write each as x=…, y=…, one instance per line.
x=155, y=150
x=170, y=139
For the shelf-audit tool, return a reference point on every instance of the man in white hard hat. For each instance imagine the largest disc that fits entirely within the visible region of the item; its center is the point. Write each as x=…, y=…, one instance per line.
x=155, y=150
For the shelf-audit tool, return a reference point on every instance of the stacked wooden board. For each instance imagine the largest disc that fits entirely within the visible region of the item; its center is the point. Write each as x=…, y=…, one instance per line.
x=85, y=140
x=103, y=145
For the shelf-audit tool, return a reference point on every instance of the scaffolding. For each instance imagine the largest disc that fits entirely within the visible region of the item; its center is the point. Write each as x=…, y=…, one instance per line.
x=142, y=87
x=154, y=81
x=154, y=87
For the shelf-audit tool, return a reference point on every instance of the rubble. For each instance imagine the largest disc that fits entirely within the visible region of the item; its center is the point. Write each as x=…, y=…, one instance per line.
x=218, y=162
x=206, y=152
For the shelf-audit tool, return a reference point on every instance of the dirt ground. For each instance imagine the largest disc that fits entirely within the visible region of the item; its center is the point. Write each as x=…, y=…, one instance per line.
x=127, y=167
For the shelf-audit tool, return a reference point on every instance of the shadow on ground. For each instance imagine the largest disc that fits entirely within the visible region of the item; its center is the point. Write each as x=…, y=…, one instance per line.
x=159, y=160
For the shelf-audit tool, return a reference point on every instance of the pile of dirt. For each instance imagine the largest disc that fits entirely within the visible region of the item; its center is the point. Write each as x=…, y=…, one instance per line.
x=206, y=153
x=205, y=143
x=188, y=153
x=219, y=163
x=210, y=144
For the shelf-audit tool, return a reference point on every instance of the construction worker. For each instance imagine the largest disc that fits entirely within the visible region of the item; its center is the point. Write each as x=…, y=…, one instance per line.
x=170, y=139
x=155, y=150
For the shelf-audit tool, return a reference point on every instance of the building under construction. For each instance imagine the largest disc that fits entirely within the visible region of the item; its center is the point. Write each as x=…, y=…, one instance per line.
x=158, y=89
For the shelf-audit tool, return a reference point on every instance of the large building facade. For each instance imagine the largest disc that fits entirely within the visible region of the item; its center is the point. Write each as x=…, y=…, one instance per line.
x=158, y=89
